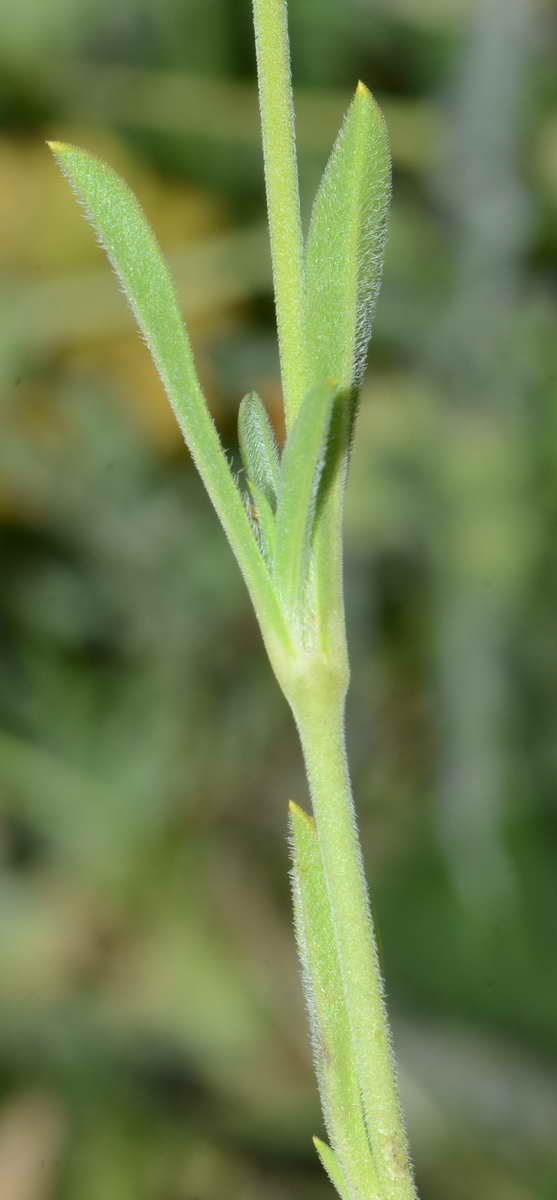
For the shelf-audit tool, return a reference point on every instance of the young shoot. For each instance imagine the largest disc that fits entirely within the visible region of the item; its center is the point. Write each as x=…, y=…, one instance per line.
x=286, y=534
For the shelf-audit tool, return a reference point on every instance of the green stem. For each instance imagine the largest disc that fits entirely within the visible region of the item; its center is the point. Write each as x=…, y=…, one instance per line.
x=319, y=711
x=283, y=197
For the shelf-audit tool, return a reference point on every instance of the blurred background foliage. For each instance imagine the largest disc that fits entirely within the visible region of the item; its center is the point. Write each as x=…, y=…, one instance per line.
x=152, y=1034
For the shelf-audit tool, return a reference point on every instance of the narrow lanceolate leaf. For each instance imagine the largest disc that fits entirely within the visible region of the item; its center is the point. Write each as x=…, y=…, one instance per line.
x=344, y=261
x=302, y=464
x=332, y=1042
x=344, y=257
x=258, y=447
x=135, y=255
x=346, y=244
x=332, y=1167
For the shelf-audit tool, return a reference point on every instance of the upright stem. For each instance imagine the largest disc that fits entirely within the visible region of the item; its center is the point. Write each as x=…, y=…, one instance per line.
x=315, y=681
x=320, y=720
x=283, y=197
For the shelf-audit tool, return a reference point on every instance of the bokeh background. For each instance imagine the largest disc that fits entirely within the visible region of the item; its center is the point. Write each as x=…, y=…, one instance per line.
x=152, y=1032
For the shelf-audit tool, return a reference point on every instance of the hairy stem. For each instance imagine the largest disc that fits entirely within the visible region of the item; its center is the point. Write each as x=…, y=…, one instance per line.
x=320, y=718
x=283, y=198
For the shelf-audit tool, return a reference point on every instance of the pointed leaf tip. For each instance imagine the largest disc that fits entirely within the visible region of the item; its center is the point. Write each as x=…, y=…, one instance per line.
x=298, y=814
x=133, y=250
x=61, y=148
x=258, y=447
x=346, y=241
x=332, y=1167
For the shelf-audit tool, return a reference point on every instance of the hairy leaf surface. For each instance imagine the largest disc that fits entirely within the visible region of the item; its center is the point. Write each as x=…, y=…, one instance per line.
x=332, y=1167
x=135, y=255
x=258, y=447
x=332, y=1042
x=302, y=464
x=344, y=258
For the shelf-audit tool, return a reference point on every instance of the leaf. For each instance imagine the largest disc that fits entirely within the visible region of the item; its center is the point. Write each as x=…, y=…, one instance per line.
x=258, y=447
x=344, y=257
x=302, y=464
x=265, y=521
x=332, y=1167
x=136, y=257
x=332, y=1041
x=343, y=265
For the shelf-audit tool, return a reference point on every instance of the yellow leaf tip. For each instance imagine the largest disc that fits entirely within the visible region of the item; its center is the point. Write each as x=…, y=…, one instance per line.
x=56, y=147
x=297, y=812
x=362, y=90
